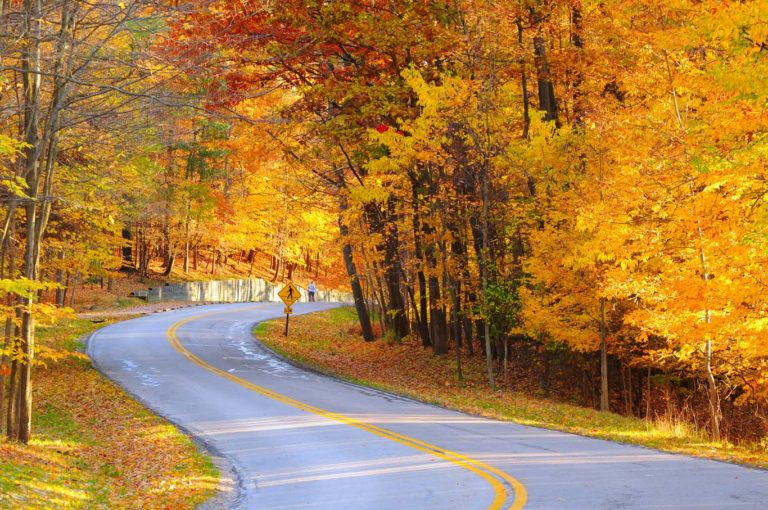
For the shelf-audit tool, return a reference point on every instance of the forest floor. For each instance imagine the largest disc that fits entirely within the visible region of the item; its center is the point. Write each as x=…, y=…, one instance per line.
x=330, y=342
x=94, y=446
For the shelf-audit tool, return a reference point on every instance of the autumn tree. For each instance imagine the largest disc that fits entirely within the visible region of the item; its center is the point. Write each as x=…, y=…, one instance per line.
x=73, y=65
x=499, y=178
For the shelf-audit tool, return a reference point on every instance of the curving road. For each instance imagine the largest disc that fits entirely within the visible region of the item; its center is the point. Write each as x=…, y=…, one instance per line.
x=299, y=440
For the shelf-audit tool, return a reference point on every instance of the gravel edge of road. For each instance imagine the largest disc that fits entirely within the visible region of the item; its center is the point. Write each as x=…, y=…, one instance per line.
x=231, y=485
x=145, y=309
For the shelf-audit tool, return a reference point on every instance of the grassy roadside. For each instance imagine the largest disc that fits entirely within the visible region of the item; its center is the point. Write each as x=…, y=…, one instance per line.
x=327, y=342
x=94, y=446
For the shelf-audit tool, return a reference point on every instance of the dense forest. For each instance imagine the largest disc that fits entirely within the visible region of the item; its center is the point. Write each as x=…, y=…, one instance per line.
x=573, y=190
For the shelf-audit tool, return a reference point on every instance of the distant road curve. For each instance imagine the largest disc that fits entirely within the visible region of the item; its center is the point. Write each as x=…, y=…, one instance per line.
x=299, y=440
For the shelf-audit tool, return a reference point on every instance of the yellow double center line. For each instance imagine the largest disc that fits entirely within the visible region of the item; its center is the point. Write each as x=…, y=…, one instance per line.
x=495, y=477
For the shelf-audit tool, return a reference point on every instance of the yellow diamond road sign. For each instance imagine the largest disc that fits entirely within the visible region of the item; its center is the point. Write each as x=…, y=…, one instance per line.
x=290, y=294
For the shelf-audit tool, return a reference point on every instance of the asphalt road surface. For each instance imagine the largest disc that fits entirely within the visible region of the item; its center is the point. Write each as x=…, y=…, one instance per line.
x=299, y=440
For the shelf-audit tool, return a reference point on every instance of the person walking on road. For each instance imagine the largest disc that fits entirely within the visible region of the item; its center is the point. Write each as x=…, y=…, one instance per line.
x=311, y=290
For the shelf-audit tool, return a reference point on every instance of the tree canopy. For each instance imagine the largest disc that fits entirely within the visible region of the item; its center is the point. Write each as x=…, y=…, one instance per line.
x=494, y=178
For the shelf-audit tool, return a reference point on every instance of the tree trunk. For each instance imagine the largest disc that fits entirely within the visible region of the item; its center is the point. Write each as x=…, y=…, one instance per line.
x=523, y=81
x=628, y=392
x=382, y=312
x=11, y=430
x=468, y=336
x=186, y=246
x=72, y=289
x=8, y=348
x=713, y=394
x=426, y=341
x=604, y=403
x=392, y=273
x=547, y=100
x=169, y=248
x=438, y=326
x=437, y=318
x=455, y=323
x=169, y=265
x=648, y=393
x=577, y=29
x=24, y=395
x=9, y=339
x=25, y=375
x=484, y=259
x=460, y=253
x=126, y=251
x=144, y=256
x=377, y=291
x=349, y=263
x=4, y=363
x=457, y=345
x=40, y=128
x=30, y=63
x=546, y=370
x=357, y=293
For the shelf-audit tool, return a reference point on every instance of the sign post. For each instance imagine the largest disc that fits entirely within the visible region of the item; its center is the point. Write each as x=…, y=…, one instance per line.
x=289, y=294
x=288, y=311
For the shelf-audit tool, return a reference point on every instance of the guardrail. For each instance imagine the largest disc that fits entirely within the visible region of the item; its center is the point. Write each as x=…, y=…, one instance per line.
x=232, y=291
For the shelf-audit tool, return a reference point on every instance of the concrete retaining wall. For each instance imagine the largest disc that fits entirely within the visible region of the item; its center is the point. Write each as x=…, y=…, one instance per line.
x=234, y=291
